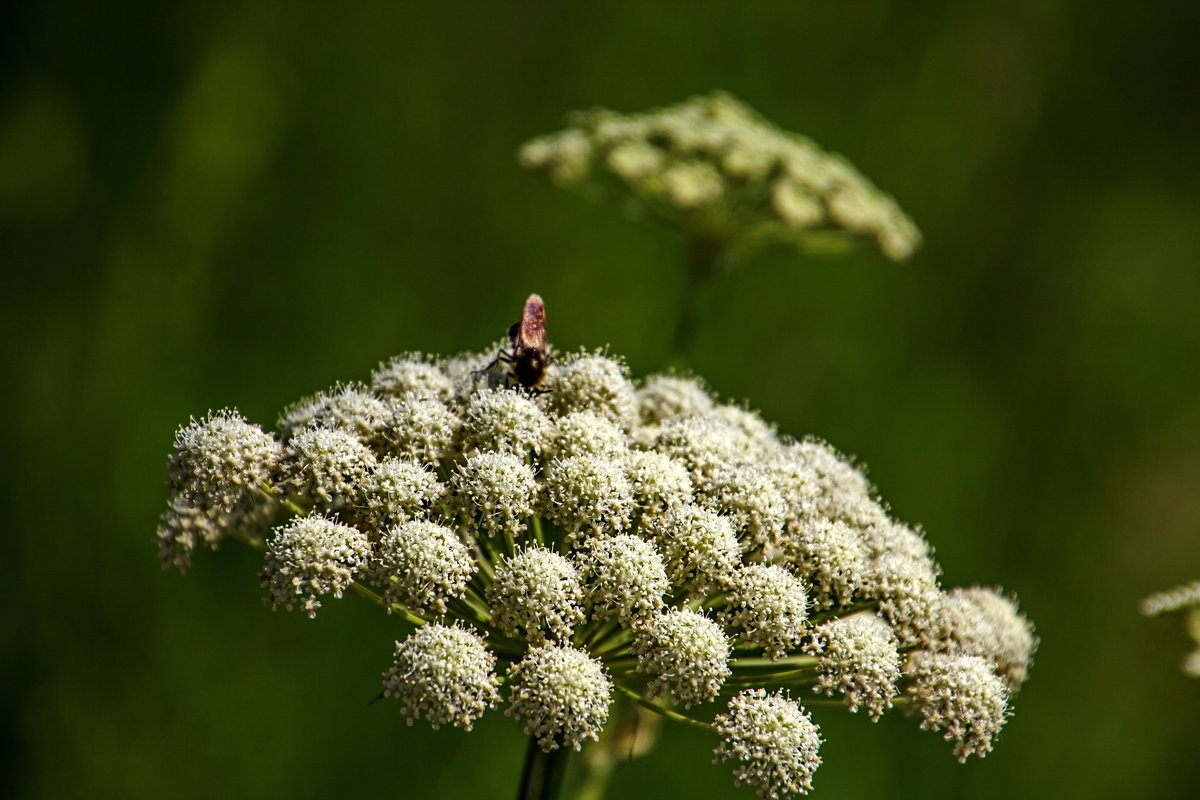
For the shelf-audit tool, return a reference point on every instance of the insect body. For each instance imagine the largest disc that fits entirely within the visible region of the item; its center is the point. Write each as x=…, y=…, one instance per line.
x=530, y=355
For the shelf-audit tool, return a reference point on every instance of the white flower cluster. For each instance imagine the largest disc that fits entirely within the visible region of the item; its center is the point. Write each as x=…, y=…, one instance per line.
x=604, y=539
x=219, y=460
x=444, y=674
x=309, y=557
x=775, y=741
x=686, y=654
x=858, y=660
x=562, y=694
x=719, y=170
x=960, y=695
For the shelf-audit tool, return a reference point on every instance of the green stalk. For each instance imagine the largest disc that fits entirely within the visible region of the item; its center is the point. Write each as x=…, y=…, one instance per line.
x=482, y=558
x=612, y=641
x=542, y=775
x=843, y=612
x=270, y=492
x=396, y=608
x=796, y=677
x=787, y=661
x=663, y=711
x=474, y=600
x=705, y=257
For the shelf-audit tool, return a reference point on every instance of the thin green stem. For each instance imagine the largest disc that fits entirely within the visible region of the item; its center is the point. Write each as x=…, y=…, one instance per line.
x=476, y=602
x=603, y=632
x=395, y=608
x=486, y=567
x=490, y=553
x=790, y=661
x=842, y=613
x=468, y=611
x=270, y=492
x=621, y=663
x=248, y=539
x=478, y=588
x=598, y=631
x=611, y=642
x=812, y=702
x=793, y=677
x=374, y=597
x=536, y=523
x=505, y=648
x=663, y=711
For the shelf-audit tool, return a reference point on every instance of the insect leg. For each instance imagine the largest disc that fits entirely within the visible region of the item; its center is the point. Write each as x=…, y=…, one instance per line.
x=501, y=357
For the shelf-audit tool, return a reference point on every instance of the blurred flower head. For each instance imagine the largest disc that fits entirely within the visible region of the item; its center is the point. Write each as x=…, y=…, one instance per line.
x=1184, y=600
x=714, y=168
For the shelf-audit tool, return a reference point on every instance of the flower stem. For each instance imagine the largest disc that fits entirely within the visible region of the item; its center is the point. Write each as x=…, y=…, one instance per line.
x=843, y=612
x=486, y=568
x=270, y=492
x=705, y=257
x=598, y=632
x=809, y=702
x=662, y=710
x=396, y=608
x=478, y=605
x=542, y=776
x=611, y=641
x=789, y=661
x=790, y=678
x=621, y=662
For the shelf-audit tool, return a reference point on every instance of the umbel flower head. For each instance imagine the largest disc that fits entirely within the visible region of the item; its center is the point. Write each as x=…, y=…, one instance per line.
x=444, y=674
x=959, y=695
x=774, y=741
x=562, y=694
x=604, y=541
x=309, y=557
x=220, y=458
x=716, y=169
x=859, y=660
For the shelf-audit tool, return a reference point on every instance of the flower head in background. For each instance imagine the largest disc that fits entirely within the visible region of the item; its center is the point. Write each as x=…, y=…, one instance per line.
x=714, y=168
x=607, y=540
x=1181, y=600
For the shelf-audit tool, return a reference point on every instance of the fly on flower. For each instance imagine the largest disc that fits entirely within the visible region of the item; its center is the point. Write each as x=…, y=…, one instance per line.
x=530, y=354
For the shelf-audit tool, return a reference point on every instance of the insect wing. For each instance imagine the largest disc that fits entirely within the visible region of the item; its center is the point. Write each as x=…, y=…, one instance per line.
x=532, y=332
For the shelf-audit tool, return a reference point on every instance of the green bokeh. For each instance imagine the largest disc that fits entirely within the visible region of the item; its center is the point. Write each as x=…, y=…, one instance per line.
x=239, y=203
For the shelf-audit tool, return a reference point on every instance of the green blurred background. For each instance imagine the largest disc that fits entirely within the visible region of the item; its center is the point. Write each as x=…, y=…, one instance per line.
x=210, y=204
